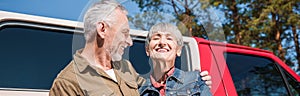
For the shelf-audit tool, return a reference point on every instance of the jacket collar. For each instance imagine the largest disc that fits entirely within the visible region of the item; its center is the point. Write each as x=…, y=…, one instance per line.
x=176, y=76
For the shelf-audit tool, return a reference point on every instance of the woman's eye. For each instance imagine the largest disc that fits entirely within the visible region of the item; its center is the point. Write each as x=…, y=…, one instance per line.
x=155, y=38
x=169, y=38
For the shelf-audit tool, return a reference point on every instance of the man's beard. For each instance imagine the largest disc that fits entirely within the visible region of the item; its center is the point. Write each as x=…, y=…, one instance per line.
x=116, y=57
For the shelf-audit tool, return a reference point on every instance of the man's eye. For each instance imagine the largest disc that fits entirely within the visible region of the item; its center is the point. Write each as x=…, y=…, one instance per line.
x=126, y=33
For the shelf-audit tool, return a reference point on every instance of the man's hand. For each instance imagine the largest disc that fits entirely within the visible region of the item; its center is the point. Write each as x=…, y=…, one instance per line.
x=206, y=78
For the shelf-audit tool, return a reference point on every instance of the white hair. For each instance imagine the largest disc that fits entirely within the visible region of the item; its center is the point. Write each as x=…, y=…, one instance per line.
x=105, y=11
x=165, y=27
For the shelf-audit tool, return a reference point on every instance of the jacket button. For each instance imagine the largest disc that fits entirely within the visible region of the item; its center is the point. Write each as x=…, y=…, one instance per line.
x=171, y=93
x=188, y=91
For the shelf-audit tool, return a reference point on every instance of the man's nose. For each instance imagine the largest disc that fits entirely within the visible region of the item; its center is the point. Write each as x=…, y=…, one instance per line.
x=129, y=41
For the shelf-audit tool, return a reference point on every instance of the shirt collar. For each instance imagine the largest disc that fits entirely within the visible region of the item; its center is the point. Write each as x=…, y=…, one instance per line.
x=157, y=84
x=80, y=61
x=83, y=65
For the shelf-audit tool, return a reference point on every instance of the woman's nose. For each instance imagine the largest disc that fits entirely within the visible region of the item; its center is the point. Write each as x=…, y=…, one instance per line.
x=162, y=42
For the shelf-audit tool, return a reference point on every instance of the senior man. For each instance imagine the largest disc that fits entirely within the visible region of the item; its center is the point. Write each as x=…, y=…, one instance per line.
x=98, y=68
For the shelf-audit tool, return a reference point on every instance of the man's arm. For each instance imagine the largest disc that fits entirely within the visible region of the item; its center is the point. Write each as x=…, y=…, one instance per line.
x=139, y=79
x=62, y=87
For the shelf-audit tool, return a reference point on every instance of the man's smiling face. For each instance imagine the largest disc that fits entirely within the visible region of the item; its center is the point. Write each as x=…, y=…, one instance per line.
x=118, y=37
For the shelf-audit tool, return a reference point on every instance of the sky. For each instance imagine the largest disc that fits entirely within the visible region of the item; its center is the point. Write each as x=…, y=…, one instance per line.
x=62, y=9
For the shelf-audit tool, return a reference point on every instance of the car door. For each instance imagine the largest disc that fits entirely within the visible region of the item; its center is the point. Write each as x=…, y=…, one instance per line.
x=257, y=72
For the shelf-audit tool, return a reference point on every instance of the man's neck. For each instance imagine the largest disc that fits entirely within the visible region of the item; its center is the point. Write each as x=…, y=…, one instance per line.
x=97, y=57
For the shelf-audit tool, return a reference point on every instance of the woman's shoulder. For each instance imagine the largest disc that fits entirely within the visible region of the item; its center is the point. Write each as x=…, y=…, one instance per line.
x=188, y=76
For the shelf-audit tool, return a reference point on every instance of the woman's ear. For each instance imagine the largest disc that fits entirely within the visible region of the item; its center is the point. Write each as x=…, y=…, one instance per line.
x=178, y=53
x=147, y=50
x=101, y=29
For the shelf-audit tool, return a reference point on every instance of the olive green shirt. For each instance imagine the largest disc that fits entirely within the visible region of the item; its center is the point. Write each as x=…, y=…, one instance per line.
x=79, y=78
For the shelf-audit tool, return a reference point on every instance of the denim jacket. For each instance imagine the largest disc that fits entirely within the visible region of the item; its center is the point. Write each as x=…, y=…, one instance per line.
x=179, y=83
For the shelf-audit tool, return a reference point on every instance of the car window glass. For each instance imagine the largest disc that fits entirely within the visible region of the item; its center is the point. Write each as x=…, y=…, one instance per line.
x=253, y=75
x=32, y=57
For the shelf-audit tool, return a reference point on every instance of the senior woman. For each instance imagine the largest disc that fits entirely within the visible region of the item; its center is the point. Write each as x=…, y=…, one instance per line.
x=164, y=43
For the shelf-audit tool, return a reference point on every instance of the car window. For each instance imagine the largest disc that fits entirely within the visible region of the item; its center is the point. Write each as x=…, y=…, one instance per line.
x=253, y=75
x=32, y=57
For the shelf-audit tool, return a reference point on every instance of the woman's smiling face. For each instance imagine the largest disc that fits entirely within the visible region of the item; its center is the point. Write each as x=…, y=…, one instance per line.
x=163, y=46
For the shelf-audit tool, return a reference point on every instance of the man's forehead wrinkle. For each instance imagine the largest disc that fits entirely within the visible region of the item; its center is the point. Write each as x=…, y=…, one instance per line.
x=125, y=24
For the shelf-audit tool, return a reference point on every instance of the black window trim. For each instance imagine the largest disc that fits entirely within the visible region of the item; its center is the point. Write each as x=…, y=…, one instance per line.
x=283, y=76
x=40, y=25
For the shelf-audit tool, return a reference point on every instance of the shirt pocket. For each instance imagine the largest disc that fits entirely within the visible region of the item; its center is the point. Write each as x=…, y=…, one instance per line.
x=132, y=85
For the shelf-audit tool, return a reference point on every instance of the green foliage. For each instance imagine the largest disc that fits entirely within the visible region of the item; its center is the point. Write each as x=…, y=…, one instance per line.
x=265, y=24
x=195, y=16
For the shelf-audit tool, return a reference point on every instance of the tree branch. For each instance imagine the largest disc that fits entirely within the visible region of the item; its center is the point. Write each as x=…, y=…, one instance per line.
x=174, y=7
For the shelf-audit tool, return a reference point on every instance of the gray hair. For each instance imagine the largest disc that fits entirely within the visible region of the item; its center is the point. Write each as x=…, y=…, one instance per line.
x=165, y=27
x=100, y=11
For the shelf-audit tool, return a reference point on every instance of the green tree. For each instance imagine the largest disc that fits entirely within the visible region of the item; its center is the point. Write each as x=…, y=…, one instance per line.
x=277, y=19
x=196, y=17
x=267, y=24
x=237, y=14
x=294, y=22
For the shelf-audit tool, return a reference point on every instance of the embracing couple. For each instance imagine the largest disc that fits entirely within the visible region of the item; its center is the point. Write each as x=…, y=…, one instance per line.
x=98, y=68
